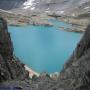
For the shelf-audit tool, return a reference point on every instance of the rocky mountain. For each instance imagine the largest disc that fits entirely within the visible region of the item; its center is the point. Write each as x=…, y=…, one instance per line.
x=57, y=6
x=49, y=6
x=10, y=4
x=60, y=6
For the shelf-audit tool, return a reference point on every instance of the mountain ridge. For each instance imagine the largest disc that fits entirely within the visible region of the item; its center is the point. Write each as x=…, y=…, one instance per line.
x=48, y=6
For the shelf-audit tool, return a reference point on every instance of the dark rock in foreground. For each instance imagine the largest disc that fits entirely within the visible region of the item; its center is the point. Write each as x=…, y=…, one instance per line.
x=10, y=67
x=10, y=4
x=15, y=85
x=76, y=72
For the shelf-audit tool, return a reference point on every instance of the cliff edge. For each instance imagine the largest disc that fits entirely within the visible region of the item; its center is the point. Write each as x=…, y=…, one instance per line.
x=11, y=69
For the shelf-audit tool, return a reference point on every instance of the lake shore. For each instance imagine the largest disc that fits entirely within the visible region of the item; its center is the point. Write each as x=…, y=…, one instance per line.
x=78, y=24
x=14, y=19
x=31, y=72
x=35, y=22
x=53, y=76
x=77, y=29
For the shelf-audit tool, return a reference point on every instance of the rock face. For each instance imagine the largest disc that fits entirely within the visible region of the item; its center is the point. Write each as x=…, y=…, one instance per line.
x=10, y=67
x=76, y=72
x=59, y=7
x=10, y=4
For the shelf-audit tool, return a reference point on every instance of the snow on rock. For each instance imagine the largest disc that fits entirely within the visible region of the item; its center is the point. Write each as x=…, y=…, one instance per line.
x=31, y=72
x=61, y=12
x=86, y=7
x=32, y=8
x=29, y=4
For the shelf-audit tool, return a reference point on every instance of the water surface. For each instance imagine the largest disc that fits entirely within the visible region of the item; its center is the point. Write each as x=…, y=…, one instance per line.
x=43, y=48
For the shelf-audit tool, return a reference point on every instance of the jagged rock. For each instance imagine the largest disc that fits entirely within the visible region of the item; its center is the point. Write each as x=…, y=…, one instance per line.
x=10, y=67
x=6, y=48
x=43, y=82
x=15, y=85
x=76, y=71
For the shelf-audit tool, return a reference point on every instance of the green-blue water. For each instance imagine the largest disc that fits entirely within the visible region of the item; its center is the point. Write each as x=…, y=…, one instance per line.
x=43, y=48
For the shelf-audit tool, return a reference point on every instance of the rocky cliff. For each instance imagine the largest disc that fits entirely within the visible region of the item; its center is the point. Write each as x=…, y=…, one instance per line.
x=61, y=7
x=76, y=72
x=10, y=4
x=10, y=67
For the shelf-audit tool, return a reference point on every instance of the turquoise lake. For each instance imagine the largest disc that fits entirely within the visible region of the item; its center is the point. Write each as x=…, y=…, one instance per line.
x=44, y=48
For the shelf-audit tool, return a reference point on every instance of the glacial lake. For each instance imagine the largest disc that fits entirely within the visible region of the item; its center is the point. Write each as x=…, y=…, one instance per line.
x=44, y=49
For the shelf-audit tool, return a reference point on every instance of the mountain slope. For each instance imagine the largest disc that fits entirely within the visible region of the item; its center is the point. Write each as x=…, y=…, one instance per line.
x=10, y=4
x=61, y=6
x=51, y=6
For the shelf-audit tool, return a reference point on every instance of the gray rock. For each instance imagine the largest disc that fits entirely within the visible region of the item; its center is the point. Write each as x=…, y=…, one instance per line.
x=10, y=67
x=10, y=4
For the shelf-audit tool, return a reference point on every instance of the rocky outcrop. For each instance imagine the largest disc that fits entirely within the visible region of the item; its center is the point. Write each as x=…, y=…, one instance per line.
x=76, y=72
x=10, y=67
x=6, y=48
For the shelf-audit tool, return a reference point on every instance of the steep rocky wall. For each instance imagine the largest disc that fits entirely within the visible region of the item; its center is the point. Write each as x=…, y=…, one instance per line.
x=76, y=72
x=10, y=67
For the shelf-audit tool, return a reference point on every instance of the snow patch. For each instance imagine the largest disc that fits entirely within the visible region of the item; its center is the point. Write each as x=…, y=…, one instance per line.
x=61, y=12
x=29, y=4
x=26, y=7
x=86, y=7
x=73, y=15
x=32, y=8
